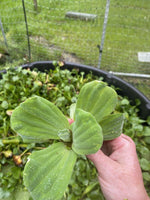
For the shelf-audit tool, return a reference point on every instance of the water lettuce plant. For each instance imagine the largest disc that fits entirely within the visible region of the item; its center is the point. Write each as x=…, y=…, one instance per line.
x=48, y=171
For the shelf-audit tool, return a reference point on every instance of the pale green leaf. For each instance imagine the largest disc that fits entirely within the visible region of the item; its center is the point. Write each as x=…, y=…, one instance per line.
x=89, y=188
x=97, y=98
x=37, y=120
x=47, y=173
x=146, y=131
x=112, y=126
x=146, y=176
x=72, y=110
x=65, y=135
x=87, y=133
x=145, y=164
x=19, y=194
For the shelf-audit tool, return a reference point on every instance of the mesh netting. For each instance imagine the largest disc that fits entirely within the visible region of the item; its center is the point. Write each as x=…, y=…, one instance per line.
x=55, y=35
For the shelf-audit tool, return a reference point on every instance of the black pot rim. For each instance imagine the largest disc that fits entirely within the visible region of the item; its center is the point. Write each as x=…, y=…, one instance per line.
x=126, y=89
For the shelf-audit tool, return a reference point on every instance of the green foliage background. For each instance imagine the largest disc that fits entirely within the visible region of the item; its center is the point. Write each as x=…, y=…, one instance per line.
x=61, y=88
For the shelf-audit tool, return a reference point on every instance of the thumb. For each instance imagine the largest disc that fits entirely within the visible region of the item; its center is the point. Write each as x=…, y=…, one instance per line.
x=102, y=162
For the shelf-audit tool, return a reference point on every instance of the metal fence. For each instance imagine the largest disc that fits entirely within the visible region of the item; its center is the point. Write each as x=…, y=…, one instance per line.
x=110, y=34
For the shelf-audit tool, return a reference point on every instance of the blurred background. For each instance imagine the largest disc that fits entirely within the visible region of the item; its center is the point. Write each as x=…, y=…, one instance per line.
x=113, y=35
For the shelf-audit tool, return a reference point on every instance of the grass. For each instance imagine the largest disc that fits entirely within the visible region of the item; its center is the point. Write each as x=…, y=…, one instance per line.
x=51, y=33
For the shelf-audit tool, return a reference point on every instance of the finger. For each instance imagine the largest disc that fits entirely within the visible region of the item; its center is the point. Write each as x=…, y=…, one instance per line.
x=112, y=145
x=70, y=121
x=123, y=150
x=118, y=143
x=102, y=162
x=115, y=144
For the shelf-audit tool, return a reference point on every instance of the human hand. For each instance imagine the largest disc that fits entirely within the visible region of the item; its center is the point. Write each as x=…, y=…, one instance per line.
x=119, y=172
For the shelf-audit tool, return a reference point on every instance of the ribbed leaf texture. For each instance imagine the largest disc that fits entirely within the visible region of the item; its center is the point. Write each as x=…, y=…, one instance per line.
x=37, y=120
x=87, y=133
x=48, y=171
x=112, y=126
x=98, y=99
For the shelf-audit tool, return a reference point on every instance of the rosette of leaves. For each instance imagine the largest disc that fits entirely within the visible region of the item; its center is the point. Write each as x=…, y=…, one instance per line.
x=48, y=171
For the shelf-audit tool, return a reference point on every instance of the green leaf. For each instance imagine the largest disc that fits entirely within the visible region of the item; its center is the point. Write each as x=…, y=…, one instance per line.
x=4, y=104
x=89, y=188
x=148, y=120
x=87, y=133
x=146, y=176
x=144, y=151
x=65, y=135
x=18, y=194
x=37, y=120
x=146, y=131
x=145, y=165
x=72, y=110
x=16, y=171
x=147, y=140
x=1, y=143
x=112, y=126
x=97, y=98
x=3, y=194
x=125, y=102
x=47, y=173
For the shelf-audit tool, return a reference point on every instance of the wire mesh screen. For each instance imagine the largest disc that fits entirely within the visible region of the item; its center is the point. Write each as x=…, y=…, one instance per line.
x=53, y=34
x=13, y=44
x=128, y=32
x=62, y=36
x=72, y=30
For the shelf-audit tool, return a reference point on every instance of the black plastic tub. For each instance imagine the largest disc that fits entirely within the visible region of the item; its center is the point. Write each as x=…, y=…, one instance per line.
x=126, y=89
